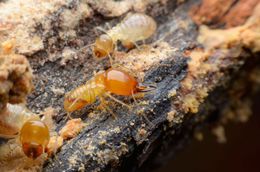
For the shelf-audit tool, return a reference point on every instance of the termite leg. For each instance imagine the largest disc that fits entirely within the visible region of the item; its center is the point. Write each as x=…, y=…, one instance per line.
x=108, y=26
x=115, y=49
x=136, y=103
x=111, y=60
x=68, y=116
x=101, y=29
x=72, y=104
x=116, y=100
x=103, y=104
x=55, y=150
x=137, y=46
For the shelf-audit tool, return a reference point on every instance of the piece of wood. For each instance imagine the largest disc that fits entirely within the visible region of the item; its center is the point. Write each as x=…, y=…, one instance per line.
x=192, y=83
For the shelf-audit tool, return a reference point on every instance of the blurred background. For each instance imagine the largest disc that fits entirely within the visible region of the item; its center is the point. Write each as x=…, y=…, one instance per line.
x=241, y=152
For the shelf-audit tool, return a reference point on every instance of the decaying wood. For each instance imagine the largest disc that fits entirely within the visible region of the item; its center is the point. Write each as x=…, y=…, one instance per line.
x=194, y=67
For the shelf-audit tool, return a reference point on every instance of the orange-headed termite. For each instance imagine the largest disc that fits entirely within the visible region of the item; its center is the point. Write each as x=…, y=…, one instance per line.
x=113, y=80
x=33, y=133
x=34, y=137
x=135, y=27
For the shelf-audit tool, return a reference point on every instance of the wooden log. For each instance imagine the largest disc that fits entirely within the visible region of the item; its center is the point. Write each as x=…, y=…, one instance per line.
x=193, y=78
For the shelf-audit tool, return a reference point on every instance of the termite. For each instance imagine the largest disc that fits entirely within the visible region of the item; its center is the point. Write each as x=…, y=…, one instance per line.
x=135, y=27
x=115, y=81
x=34, y=137
x=34, y=133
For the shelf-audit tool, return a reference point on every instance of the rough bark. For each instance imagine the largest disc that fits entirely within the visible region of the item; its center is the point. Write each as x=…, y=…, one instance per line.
x=193, y=77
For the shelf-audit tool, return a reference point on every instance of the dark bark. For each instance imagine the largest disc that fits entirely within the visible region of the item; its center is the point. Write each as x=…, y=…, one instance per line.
x=100, y=146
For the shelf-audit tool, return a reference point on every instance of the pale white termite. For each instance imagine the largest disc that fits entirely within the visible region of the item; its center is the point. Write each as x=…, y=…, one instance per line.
x=135, y=27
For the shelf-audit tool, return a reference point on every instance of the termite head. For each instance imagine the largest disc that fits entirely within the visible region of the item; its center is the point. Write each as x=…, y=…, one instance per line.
x=122, y=83
x=103, y=46
x=34, y=137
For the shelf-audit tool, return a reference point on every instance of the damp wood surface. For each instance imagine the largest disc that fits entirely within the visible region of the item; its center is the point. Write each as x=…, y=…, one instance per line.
x=196, y=69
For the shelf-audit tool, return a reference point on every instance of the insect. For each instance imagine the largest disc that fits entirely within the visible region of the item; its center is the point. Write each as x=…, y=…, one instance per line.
x=113, y=80
x=33, y=132
x=135, y=27
x=12, y=119
x=34, y=137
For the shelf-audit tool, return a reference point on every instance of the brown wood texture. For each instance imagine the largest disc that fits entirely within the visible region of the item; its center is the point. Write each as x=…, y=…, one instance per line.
x=194, y=79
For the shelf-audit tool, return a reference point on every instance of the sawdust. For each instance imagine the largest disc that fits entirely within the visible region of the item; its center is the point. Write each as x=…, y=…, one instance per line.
x=15, y=79
x=172, y=93
x=138, y=61
x=13, y=159
x=58, y=91
x=141, y=133
x=71, y=128
x=217, y=43
x=171, y=115
x=33, y=24
x=112, y=155
x=26, y=15
x=113, y=8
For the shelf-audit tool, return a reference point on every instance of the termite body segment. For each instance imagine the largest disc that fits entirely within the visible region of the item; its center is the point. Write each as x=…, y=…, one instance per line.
x=84, y=94
x=135, y=27
x=112, y=80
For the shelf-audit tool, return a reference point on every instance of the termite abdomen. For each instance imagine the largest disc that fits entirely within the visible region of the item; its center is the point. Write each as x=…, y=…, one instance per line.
x=84, y=94
x=133, y=28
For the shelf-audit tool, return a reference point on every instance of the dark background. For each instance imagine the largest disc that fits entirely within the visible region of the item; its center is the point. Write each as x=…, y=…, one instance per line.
x=241, y=152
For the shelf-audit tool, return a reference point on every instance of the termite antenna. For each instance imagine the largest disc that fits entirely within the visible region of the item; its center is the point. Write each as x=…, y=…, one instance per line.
x=86, y=46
